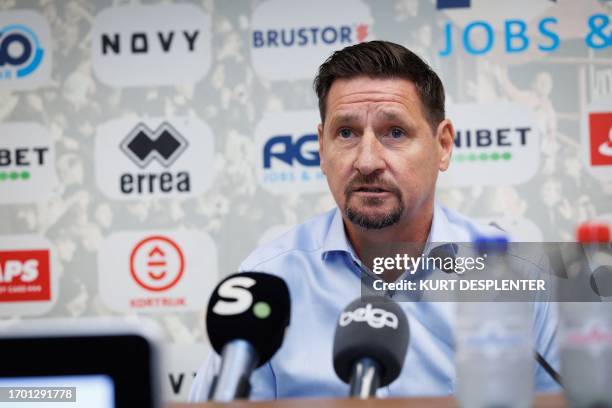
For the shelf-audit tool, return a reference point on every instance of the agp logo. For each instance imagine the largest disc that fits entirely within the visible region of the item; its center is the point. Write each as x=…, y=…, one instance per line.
x=375, y=317
x=288, y=153
x=154, y=158
x=25, y=42
x=283, y=149
x=142, y=46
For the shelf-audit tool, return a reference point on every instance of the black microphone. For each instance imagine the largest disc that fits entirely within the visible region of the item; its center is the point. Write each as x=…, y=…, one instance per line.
x=370, y=345
x=246, y=320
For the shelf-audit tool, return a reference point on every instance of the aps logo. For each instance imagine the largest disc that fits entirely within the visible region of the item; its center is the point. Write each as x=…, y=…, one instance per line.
x=25, y=44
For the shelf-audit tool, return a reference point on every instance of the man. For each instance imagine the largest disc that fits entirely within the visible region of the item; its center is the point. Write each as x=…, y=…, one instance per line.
x=383, y=138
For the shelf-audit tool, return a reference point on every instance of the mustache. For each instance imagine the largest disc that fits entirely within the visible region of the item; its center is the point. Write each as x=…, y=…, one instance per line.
x=370, y=180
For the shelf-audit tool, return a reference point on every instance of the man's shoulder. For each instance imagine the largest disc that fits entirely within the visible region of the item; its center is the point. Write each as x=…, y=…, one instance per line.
x=306, y=237
x=462, y=228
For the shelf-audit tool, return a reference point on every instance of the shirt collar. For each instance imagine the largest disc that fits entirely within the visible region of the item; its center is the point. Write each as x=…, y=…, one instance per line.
x=336, y=240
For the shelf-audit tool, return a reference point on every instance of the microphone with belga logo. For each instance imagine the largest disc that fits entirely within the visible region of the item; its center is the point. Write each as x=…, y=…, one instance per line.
x=246, y=320
x=370, y=345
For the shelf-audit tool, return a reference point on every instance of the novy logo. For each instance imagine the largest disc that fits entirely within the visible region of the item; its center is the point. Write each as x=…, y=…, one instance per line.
x=495, y=144
x=157, y=263
x=154, y=158
x=600, y=130
x=25, y=42
x=141, y=46
x=156, y=271
x=240, y=298
x=289, y=39
x=27, y=168
x=375, y=317
x=288, y=153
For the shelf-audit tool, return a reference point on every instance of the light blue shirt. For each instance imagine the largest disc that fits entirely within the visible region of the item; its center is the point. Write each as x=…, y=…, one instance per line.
x=324, y=276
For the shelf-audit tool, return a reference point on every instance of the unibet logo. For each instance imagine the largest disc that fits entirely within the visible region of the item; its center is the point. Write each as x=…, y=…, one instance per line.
x=24, y=275
x=495, y=144
x=154, y=158
x=142, y=46
x=288, y=153
x=25, y=41
x=375, y=317
x=289, y=40
x=240, y=298
x=27, y=172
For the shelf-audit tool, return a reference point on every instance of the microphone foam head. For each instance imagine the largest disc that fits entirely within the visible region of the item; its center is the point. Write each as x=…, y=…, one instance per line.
x=251, y=306
x=371, y=327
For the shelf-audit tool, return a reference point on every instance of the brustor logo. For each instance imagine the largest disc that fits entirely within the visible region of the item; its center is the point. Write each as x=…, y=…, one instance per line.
x=375, y=317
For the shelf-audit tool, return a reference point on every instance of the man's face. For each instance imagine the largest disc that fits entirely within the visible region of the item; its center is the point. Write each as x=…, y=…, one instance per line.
x=378, y=151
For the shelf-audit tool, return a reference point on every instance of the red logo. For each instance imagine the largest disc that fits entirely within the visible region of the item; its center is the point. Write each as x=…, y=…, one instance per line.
x=362, y=32
x=600, y=128
x=157, y=263
x=25, y=276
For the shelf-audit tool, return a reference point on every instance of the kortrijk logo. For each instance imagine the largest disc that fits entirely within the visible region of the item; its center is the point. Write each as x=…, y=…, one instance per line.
x=143, y=145
x=375, y=317
x=157, y=263
x=600, y=130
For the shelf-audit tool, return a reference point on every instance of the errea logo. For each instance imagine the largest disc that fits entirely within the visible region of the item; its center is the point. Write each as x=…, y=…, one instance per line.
x=154, y=158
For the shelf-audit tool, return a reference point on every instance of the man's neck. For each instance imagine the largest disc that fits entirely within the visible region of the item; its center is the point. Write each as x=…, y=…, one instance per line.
x=412, y=230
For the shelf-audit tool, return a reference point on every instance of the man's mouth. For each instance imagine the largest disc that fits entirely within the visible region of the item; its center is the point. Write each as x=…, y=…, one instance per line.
x=370, y=190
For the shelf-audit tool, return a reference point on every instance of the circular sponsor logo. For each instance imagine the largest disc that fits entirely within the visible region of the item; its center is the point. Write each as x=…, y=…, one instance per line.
x=157, y=263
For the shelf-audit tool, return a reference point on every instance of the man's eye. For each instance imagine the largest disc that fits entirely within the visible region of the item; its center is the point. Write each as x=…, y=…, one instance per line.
x=345, y=133
x=396, y=133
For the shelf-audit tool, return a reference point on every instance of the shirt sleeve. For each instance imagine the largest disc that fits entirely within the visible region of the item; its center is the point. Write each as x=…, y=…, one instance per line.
x=546, y=343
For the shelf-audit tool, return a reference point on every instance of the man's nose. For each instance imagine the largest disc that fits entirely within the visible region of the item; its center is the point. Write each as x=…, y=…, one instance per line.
x=369, y=154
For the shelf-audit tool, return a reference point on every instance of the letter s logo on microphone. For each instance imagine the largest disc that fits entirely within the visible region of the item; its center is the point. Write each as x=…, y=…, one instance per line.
x=235, y=289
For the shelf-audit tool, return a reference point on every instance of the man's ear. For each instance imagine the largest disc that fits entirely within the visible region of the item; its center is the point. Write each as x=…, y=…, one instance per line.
x=445, y=137
x=321, y=153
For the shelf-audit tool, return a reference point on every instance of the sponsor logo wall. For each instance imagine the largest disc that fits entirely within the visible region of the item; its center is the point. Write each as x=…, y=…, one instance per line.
x=146, y=150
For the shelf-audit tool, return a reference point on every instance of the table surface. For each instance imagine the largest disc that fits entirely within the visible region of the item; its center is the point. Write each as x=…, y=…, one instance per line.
x=541, y=401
